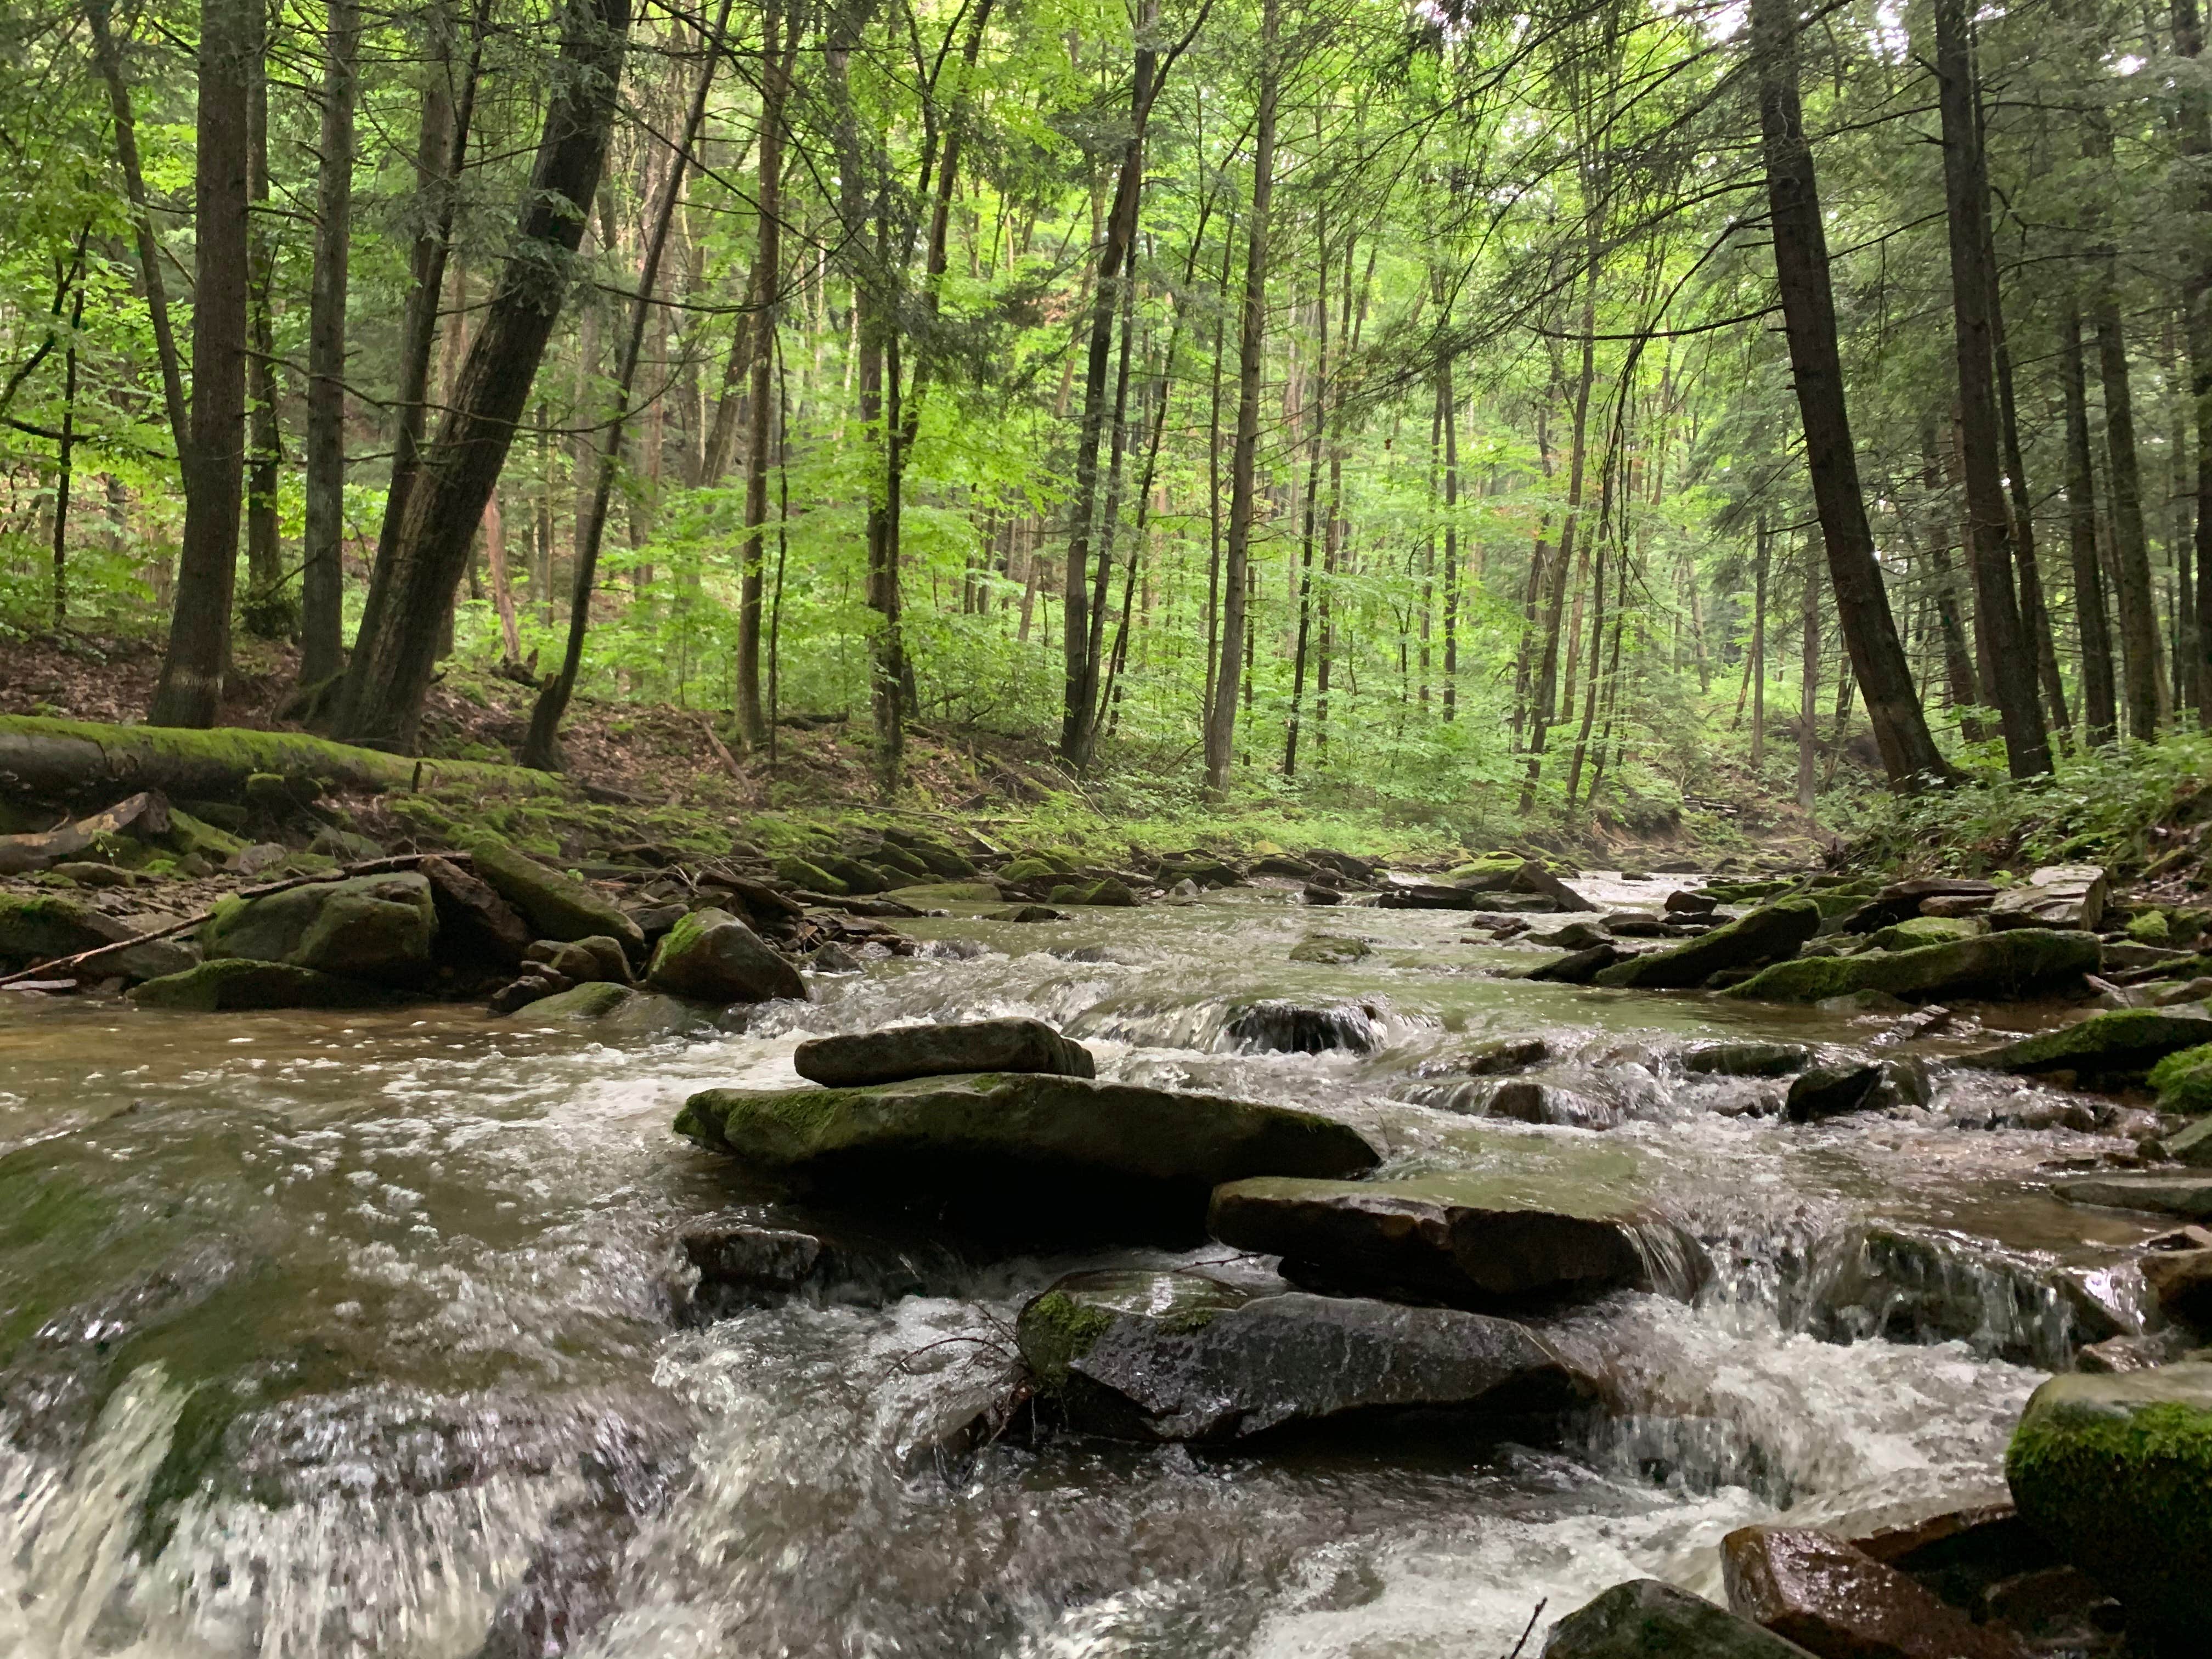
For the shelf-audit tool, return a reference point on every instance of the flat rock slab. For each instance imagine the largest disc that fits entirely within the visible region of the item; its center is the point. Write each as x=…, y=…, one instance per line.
x=1840, y=1602
x=1997, y=964
x=2124, y=1041
x=2055, y=895
x=1465, y=1241
x=2188, y=1195
x=1771, y=933
x=911, y=1051
x=2112, y=1471
x=236, y=984
x=1013, y=1154
x=1150, y=1356
x=1647, y=1618
x=555, y=904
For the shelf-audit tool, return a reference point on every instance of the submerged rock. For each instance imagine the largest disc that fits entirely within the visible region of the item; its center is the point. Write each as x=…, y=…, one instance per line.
x=238, y=983
x=914, y=1051
x=1578, y=967
x=1646, y=1619
x=1331, y=949
x=2057, y=895
x=1277, y=1026
x=2125, y=1042
x=1497, y=1057
x=1025, y=1153
x=1874, y=1086
x=1997, y=964
x=556, y=905
x=2113, y=1472
x=1427, y=895
x=373, y=928
x=1746, y=1059
x=712, y=956
x=1138, y=1355
x=1545, y=1103
x=2187, y=1195
x=1467, y=1241
x=626, y=1013
x=1840, y=1602
x=1769, y=934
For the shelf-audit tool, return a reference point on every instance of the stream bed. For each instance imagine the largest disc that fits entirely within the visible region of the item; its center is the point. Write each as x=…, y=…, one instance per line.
x=361, y=1334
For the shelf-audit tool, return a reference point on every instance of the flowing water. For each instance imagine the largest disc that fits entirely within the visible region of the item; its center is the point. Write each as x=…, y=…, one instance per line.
x=356, y=1335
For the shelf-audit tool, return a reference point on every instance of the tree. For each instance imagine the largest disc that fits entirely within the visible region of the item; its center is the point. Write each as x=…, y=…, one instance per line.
x=322, y=597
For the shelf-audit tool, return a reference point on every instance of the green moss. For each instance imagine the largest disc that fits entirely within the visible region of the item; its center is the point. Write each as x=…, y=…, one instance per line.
x=2184, y=1081
x=2125, y=1042
x=2150, y=928
x=810, y=877
x=1057, y=1330
x=1030, y=869
x=2000, y=965
x=1911, y=934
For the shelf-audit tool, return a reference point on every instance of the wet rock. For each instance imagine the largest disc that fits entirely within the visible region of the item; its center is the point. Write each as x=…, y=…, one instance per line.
x=1493, y=874
x=1024, y=913
x=1575, y=936
x=1635, y=924
x=372, y=927
x=2184, y=1079
x=1578, y=967
x=1497, y=1057
x=1646, y=1619
x=1902, y=899
x=2123, y=1353
x=1840, y=1603
x=1858, y=1005
x=2192, y=1146
x=526, y=989
x=2111, y=1471
x=1277, y=1026
x=2188, y=1195
x=618, y=1011
x=475, y=926
x=2177, y=1267
x=1543, y=1103
x=1425, y=896
x=1465, y=1241
x=2122, y=1043
x=1183, y=1357
x=712, y=957
x=930, y=895
x=555, y=905
x=1534, y=877
x=2010, y=964
x=1331, y=949
x=1769, y=934
x=744, y=1259
x=582, y=961
x=1925, y=930
x=1311, y=894
x=1746, y=1059
x=41, y=928
x=1833, y=1091
x=2057, y=895
x=1105, y=891
x=236, y=983
x=1953, y=906
x=1689, y=903
x=1025, y=1153
x=1204, y=869
x=912, y=1051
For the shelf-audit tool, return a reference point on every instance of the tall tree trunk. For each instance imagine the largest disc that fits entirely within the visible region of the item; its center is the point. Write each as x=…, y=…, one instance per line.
x=1808, y=308
x=66, y=450
x=2131, y=542
x=1809, y=679
x=2034, y=614
x=1547, y=669
x=1448, y=401
x=2100, y=699
x=411, y=592
x=1221, y=728
x=778, y=58
x=1761, y=560
x=322, y=585
x=1973, y=290
x=1315, y=416
x=2196, y=135
x=502, y=585
x=189, y=692
x=268, y=612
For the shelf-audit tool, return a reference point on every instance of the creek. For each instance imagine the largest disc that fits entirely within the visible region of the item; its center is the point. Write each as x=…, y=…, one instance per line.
x=340, y=1335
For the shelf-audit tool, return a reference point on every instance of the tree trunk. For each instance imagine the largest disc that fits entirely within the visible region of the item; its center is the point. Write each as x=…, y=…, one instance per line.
x=1801, y=259
x=322, y=595
x=1760, y=561
x=411, y=594
x=2100, y=699
x=1809, y=680
x=2196, y=135
x=1973, y=288
x=1448, y=401
x=1221, y=728
x=268, y=612
x=66, y=450
x=189, y=692
x=1547, y=670
x=502, y=584
x=2131, y=542
x=2034, y=614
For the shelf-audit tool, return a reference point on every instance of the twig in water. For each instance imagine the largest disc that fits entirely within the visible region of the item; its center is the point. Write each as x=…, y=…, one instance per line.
x=1530, y=1630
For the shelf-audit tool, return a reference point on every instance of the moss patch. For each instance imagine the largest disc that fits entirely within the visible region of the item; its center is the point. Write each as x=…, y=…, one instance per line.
x=2184, y=1081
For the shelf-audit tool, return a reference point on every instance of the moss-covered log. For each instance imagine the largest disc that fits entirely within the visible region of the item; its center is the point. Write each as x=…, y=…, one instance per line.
x=84, y=764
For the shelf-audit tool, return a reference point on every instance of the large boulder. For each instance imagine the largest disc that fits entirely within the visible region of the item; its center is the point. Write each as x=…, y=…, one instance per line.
x=42, y=927
x=1825, y=1091
x=236, y=983
x=1917, y=931
x=1534, y=877
x=1840, y=1602
x=1646, y=1619
x=1771, y=933
x=911, y=1051
x=1468, y=1240
x=2113, y=1471
x=2126, y=1042
x=1025, y=1153
x=371, y=927
x=1140, y=1355
x=2010, y=964
x=556, y=905
x=1492, y=874
x=712, y=957
x=2057, y=895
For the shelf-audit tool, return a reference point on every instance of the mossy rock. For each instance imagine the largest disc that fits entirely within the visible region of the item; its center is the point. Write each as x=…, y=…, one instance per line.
x=188, y=836
x=2011, y=963
x=41, y=927
x=2150, y=928
x=1927, y=930
x=237, y=983
x=950, y=892
x=1493, y=874
x=1106, y=891
x=710, y=955
x=1771, y=932
x=617, y=1010
x=2113, y=1471
x=375, y=927
x=856, y=877
x=810, y=877
x=1030, y=869
x=2184, y=1079
x=557, y=906
x=2125, y=1042
x=1833, y=901
x=1330, y=948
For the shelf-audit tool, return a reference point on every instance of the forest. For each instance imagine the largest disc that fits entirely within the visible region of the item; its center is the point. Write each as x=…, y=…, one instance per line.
x=1367, y=404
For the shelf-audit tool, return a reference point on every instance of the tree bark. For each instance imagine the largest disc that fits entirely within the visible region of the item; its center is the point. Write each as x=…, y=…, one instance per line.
x=1448, y=402
x=189, y=692
x=2100, y=699
x=1800, y=258
x=2034, y=614
x=268, y=612
x=1540, y=704
x=2195, y=137
x=2131, y=542
x=322, y=585
x=1809, y=679
x=411, y=594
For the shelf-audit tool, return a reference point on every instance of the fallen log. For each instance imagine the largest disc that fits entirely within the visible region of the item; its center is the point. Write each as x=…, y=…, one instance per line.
x=145, y=814
x=85, y=764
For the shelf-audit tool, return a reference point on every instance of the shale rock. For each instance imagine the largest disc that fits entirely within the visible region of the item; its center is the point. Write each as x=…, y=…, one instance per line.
x=1426, y=895
x=1493, y=874
x=2178, y=1268
x=1646, y=1619
x=475, y=926
x=2010, y=964
x=1465, y=1241
x=1179, y=1356
x=239, y=983
x=1841, y=1603
x=554, y=904
x=2123, y=1043
x=1579, y=967
x=1911, y=934
x=592, y=961
x=1690, y=905
x=372, y=927
x=1900, y=901
x=914, y=1051
x=1497, y=1056
x=1025, y=912
x=1025, y=1153
x=617, y=1010
x=1771, y=933
x=1534, y=877
x=1575, y=936
x=2057, y=895
x=2113, y=1472
x=712, y=957
x=44, y=926
x=2192, y=1146
x=1275, y=1026
x=2188, y=1195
